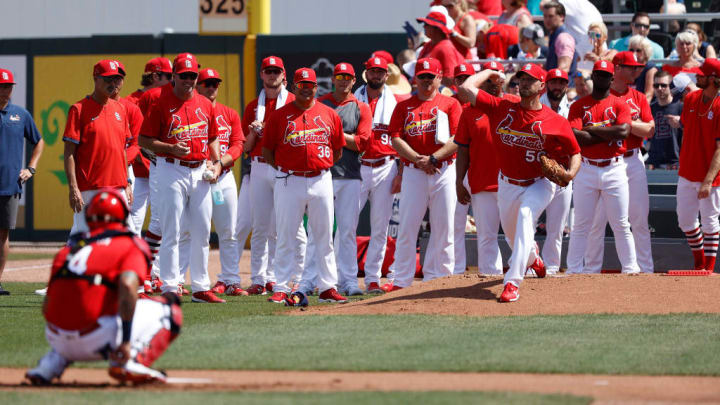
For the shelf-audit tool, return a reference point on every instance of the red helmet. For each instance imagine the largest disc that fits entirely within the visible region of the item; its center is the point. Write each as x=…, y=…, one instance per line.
x=107, y=206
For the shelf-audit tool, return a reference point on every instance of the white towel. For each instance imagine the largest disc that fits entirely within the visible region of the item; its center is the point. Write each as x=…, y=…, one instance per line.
x=260, y=111
x=385, y=104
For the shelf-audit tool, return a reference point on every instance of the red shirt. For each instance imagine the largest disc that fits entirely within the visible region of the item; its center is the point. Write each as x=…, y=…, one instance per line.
x=415, y=121
x=135, y=119
x=474, y=133
x=379, y=144
x=303, y=140
x=639, y=110
x=172, y=120
x=101, y=133
x=701, y=131
x=229, y=132
x=135, y=96
x=589, y=112
x=520, y=135
x=364, y=126
x=150, y=97
x=489, y=7
x=498, y=39
x=673, y=70
x=250, y=115
x=445, y=52
x=76, y=304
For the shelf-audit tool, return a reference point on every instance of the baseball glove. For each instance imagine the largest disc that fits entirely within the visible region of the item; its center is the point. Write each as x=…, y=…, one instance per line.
x=553, y=171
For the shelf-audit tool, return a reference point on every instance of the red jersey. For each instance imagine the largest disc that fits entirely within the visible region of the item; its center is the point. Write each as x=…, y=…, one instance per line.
x=101, y=133
x=76, y=304
x=701, y=127
x=589, y=112
x=379, y=144
x=150, y=97
x=135, y=96
x=135, y=119
x=416, y=122
x=229, y=132
x=639, y=110
x=498, y=39
x=250, y=115
x=474, y=133
x=172, y=120
x=303, y=140
x=519, y=135
x=445, y=52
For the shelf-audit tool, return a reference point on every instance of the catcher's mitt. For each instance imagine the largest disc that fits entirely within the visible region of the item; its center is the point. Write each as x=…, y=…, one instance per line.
x=552, y=170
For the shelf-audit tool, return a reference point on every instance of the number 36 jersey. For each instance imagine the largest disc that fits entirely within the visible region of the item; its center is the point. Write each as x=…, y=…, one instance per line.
x=304, y=140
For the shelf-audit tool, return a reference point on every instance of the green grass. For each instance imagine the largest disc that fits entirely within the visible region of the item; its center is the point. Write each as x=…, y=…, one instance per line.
x=248, y=333
x=28, y=256
x=378, y=398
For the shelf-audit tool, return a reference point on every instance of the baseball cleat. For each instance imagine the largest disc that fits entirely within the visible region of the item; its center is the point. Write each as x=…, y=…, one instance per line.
x=206, y=297
x=235, y=290
x=374, y=288
x=394, y=288
x=256, y=289
x=278, y=298
x=136, y=373
x=219, y=288
x=387, y=287
x=36, y=379
x=331, y=295
x=538, y=267
x=269, y=286
x=353, y=290
x=510, y=293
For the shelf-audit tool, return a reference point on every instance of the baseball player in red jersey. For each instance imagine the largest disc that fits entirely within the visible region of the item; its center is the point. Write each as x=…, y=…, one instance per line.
x=601, y=123
x=642, y=126
x=420, y=126
x=697, y=189
x=92, y=309
x=96, y=134
x=181, y=130
x=379, y=172
x=303, y=140
x=522, y=132
x=262, y=177
x=479, y=169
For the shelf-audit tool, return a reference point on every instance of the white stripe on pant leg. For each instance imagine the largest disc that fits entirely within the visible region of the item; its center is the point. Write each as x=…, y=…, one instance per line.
x=244, y=215
x=555, y=217
x=413, y=203
x=379, y=186
x=347, y=212
x=291, y=198
x=586, y=196
x=442, y=202
x=199, y=214
x=262, y=179
x=224, y=216
x=320, y=215
x=616, y=196
x=638, y=212
x=487, y=223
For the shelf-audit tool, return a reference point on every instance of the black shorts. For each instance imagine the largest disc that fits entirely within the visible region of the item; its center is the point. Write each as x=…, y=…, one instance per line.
x=8, y=211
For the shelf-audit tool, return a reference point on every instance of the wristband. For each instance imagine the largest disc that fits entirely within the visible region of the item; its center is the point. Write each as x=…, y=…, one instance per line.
x=433, y=160
x=126, y=329
x=129, y=180
x=31, y=170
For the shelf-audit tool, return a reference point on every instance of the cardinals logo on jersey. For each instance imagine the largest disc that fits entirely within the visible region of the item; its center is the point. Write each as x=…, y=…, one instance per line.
x=318, y=135
x=530, y=140
x=609, y=115
x=422, y=125
x=197, y=129
x=634, y=109
x=223, y=128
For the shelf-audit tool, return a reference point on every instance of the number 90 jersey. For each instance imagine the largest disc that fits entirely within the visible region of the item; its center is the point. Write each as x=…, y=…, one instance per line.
x=304, y=140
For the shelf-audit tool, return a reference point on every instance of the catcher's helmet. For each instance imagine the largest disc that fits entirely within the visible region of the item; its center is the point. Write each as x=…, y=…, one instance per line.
x=107, y=206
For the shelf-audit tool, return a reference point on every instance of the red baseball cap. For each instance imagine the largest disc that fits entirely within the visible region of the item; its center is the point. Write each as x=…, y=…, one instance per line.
x=604, y=66
x=344, y=68
x=436, y=19
x=185, y=62
x=158, y=64
x=492, y=65
x=710, y=67
x=376, y=62
x=108, y=67
x=626, y=58
x=6, y=77
x=209, y=74
x=305, y=75
x=464, y=69
x=557, y=74
x=272, y=61
x=428, y=65
x=384, y=55
x=534, y=71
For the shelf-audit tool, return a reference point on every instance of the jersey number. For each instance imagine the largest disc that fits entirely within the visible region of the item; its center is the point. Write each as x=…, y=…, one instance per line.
x=204, y=143
x=223, y=149
x=533, y=155
x=385, y=139
x=78, y=263
x=324, y=152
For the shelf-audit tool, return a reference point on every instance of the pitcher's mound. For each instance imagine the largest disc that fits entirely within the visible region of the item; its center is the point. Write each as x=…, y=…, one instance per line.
x=476, y=295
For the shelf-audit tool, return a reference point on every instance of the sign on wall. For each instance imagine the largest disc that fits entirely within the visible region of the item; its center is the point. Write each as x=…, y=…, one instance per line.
x=223, y=17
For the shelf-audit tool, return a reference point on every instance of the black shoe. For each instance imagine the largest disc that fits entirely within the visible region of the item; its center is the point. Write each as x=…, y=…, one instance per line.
x=3, y=291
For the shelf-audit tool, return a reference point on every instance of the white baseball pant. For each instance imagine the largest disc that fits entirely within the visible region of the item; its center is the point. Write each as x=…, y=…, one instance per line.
x=421, y=191
x=154, y=225
x=293, y=196
x=520, y=207
x=609, y=185
x=556, y=215
x=347, y=213
x=141, y=197
x=244, y=217
x=461, y=213
x=262, y=183
x=79, y=223
x=487, y=223
x=638, y=212
x=185, y=196
x=377, y=187
x=688, y=206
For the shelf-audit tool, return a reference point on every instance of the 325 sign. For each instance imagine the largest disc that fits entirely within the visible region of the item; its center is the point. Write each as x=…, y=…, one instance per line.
x=222, y=8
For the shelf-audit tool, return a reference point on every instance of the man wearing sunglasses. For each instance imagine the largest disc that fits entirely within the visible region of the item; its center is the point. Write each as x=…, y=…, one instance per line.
x=640, y=25
x=522, y=132
x=96, y=134
x=698, y=184
x=419, y=127
x=181, y=130
x=664, y=150
x=642, y=126
x=303, y=140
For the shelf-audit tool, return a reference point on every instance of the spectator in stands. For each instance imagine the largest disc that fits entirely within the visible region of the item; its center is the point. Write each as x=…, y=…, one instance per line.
x=489, y=7
x=686, y=44
x=640, y=25
x=640, y=46
x=673, y=7
x=496, y=41
x=516, y=13
x=561, y=45
x=440, y=47
x=464, y=33
x=598, y=35
x=512, y=86
x=578, y=16
x=532, y=44
x=682, y=85
x=705, y=49
x=583, y=85
x=665, y=144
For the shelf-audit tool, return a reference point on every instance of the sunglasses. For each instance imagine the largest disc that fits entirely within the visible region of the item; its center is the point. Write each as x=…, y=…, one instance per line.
x=110, y=79
x=594, y=35
x=305, y=85
x=660, y=85
x=635, y=50
x=643, y=26
x=272, y=71
x=188, y=76
x=513, y=84
x=211, y=83
x=426, y=76
x=343, y=76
